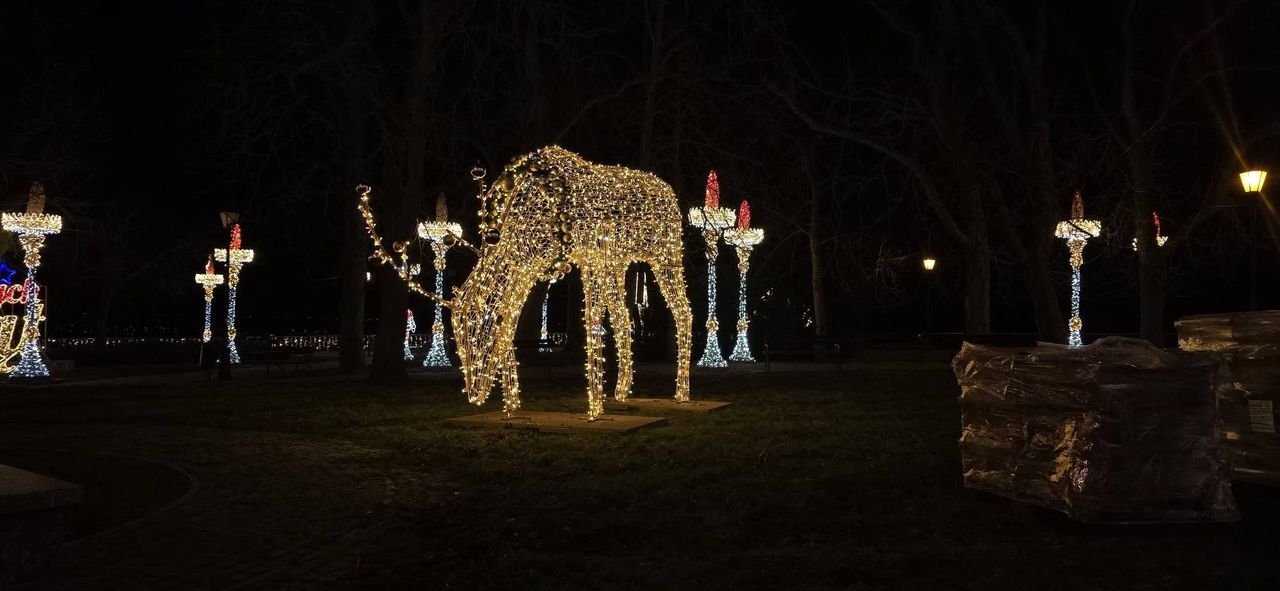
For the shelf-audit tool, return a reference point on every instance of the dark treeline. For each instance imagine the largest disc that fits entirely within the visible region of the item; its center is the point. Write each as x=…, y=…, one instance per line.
x=864, y=137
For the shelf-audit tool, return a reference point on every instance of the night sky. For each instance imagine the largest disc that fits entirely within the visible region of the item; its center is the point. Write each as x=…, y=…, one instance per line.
x=145, y=119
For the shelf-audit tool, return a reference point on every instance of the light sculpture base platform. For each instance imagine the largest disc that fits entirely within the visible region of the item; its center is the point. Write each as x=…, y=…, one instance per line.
x=553, y=422
x=665, y=404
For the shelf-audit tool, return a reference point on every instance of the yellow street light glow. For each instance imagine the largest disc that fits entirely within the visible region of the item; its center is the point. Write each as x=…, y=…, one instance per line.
x=1252, y=180
x=929, y=263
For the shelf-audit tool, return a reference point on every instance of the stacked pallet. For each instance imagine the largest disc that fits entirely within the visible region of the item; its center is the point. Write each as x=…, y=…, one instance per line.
x=1247, y=346
x=1118, y=431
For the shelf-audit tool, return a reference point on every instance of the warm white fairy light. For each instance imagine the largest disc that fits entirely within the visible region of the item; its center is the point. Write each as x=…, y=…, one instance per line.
x=31, y=227
x=712, y=220
x=548, y=212
x=239, y=256
x=209, y=280
x=1077, y=231
x=743, y=238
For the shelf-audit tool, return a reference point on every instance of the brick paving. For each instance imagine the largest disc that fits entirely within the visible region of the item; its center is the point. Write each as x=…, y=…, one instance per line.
x=267, y=510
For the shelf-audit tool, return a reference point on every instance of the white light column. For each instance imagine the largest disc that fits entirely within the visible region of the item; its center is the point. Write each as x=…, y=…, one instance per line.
x=209, y=280
x=712, y=220
x=237, y=259
x=435, y=232
x=1077, y=231
x=31, y=227
x=743, y=238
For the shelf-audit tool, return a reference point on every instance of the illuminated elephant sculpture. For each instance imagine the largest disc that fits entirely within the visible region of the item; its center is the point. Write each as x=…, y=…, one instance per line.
x=550, y=211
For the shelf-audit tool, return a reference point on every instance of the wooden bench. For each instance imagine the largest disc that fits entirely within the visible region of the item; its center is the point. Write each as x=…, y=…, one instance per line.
x=545, y=353
x=815, y=348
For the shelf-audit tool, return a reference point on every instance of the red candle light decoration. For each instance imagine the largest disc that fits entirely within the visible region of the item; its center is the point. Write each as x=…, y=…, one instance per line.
x=713, y=191
x=744, y=215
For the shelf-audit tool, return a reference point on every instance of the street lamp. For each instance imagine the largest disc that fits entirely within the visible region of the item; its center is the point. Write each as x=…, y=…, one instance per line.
x=1252, y=180
x=929, y=263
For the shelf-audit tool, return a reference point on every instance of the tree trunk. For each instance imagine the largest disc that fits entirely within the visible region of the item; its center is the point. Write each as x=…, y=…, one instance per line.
x=977, y=288
x=351, y=310
x=1153, y=279
x=817, y=256
x=355, y=246
x=1050, y=326
x=388, y=348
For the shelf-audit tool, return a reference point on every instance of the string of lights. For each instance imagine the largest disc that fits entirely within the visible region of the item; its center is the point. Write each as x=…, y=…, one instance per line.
x=743, y=238
x=712, y=220
x=31, y=227
x=209, y=280
x=1076, y=231
x=438, y=233
x=238, y=258
x=548, y=212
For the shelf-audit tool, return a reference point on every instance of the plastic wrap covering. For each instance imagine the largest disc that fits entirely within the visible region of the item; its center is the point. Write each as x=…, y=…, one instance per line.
x=1118, y=431
x=1248, y=347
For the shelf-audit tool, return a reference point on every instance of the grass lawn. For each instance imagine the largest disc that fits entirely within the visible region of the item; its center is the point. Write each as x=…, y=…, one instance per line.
x=809, y=480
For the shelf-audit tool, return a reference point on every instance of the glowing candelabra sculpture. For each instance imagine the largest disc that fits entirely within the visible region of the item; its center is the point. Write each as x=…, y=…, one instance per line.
x=1161, y=239
x=436, y=232
x=31, y=227
x=409, y=327
x=1077, y=231
x=743, y=238
x=712, y=220
x=548, y=212
x=209, y=280
x=237, y=259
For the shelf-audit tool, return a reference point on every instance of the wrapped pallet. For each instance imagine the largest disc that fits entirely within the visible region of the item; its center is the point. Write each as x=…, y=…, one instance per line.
x=1117, y=432
x=1247, y=344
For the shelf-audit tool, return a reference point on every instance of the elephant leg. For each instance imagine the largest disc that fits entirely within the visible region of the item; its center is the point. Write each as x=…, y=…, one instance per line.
x=593, y=319
x=510, y=386
x=671, y=281
x=620, y=322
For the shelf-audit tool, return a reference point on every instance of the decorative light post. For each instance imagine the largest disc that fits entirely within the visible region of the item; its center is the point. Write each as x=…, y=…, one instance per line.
x=409, y=327
x=209, y=280
x=1161, y=239
x=31, y=227
x=543, y=335
x=238, y=258
x=712, y=220
x=436, y=232
x=743, y=238
x=1077, y=231
x=1252, y=181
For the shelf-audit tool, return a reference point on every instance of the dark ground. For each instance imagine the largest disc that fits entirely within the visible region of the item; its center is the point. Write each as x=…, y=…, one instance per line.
x=811, y=479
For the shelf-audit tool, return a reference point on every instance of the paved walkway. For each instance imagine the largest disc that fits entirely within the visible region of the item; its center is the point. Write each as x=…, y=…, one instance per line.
x=268, y=511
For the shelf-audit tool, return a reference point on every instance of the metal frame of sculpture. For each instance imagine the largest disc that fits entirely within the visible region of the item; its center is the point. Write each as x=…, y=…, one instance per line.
x=548, y=212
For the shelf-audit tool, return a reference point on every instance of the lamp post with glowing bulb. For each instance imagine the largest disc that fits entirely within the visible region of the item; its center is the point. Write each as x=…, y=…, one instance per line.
x=928, y=263
x=743, y=238
x=31, y=227
x=437, y=232
x=1252, y=181
x=712, y=220
x=1076, y=231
